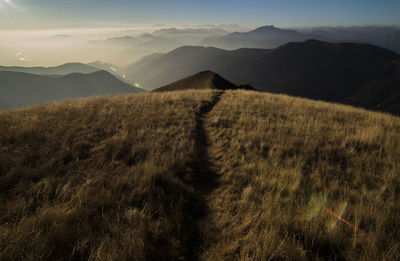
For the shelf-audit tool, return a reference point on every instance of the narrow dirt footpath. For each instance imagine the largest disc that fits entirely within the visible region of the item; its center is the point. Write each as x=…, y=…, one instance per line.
x=206, y=181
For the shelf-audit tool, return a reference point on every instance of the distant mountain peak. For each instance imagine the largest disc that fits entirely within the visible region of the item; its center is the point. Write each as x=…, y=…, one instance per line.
x=270, y=29
x=266, y=28
x=202, y=81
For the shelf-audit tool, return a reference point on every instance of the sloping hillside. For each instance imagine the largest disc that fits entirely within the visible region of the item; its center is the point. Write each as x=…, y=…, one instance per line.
x=202, y=81
x=23, y=89
x=383, y=93
x=311, y=69
x=113, y=69
x=288, y=168
x=213, y=175
x=100, y=178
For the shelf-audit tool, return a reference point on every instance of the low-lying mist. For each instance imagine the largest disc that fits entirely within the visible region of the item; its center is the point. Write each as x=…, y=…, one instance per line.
x=54, y=47
x=119, y=46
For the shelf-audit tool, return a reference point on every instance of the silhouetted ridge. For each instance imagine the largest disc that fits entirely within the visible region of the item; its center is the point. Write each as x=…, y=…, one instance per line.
x=353, y=48
x=63, y=69
x=263, y=37
x=101, y=73
x=203, y=81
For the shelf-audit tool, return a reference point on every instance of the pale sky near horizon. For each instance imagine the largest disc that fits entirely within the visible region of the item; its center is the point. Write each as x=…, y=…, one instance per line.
x=53, y=14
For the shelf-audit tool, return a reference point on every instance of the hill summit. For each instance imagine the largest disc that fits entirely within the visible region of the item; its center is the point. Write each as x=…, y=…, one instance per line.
x=206, y=80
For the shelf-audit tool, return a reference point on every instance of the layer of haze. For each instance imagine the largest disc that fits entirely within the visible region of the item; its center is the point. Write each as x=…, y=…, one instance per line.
x=54, y=47
x=116, y=45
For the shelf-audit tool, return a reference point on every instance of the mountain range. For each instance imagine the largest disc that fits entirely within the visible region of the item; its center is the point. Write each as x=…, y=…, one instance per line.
x=358, y=74
x=271, y=37
x=132, y=47
x=263, y=37
x=311, y=68
x=383, y=36
x=164, y=37
x=163, y=40
x=69, y=68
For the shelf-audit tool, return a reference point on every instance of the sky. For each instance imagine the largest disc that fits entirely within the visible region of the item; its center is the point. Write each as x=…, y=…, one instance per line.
x=56, y=14
x=32, y=32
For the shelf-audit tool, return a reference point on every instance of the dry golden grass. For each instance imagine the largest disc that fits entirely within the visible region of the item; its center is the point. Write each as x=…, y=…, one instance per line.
x=274, y=154
x=169, y=176
x=99, y=179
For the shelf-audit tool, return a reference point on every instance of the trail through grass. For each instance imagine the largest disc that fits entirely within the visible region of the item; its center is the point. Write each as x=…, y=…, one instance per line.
x=209, y=175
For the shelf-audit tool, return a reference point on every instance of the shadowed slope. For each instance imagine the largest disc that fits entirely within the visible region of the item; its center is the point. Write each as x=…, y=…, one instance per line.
x=202, y=81
x=23, y=89
x=383, y=93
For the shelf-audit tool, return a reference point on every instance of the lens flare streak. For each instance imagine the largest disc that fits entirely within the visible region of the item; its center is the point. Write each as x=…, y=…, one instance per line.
x=341, y=219
x=318, y=203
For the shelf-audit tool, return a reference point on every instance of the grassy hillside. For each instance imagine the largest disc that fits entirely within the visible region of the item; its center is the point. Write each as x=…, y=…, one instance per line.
x=99, y=179
x=210, y=175
x=278, y=157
